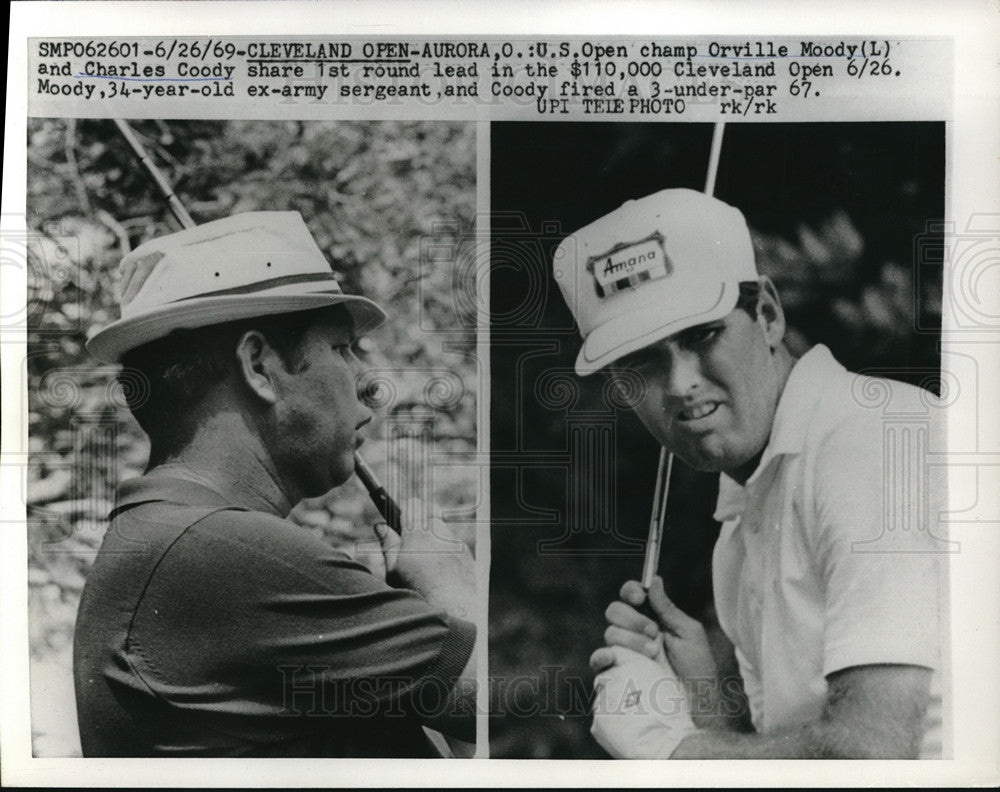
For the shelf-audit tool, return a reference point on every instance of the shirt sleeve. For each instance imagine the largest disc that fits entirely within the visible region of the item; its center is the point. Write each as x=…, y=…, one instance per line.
x=881, y=566
x=248, y=613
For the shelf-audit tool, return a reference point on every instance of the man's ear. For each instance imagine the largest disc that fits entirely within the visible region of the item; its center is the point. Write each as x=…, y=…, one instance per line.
x=256, y=363
x=770, y=313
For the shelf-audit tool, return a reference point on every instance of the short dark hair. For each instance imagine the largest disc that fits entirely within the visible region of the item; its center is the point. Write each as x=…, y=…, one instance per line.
x=165, y=380
x=749, y=297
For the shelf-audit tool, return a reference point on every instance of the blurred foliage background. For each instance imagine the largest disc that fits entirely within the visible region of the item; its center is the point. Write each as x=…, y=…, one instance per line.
x=393, y=207
x=846, y=219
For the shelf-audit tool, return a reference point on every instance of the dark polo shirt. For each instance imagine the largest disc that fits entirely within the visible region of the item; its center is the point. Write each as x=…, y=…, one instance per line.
x=209, y=630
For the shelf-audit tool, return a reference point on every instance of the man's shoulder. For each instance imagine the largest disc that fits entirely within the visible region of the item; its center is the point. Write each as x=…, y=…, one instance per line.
x=258, y=533
x=844, y=425
x=194, y=527
x=849, y=402
x=863, y=397
x=234, y=558
x=182, y=505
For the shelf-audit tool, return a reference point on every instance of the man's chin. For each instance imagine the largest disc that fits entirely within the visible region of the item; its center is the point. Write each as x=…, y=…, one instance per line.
x=701, y=459
x=703, y=466
x=341, y=478
x=711, y=462
x=335, y=479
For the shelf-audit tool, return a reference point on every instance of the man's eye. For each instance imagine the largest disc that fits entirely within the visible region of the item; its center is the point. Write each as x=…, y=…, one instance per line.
x=629, y=364
x=701, y=335
x=362, y=348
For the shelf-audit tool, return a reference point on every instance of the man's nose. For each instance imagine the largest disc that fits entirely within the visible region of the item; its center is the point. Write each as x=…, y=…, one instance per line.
x=357, y=367
x=363, y=384
x=363, y=390
x=685, y=373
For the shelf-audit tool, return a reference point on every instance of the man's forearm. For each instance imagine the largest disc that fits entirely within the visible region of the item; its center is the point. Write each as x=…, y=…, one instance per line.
x=871, y=712
x=715, y=744
x=442, y=571
x=719, y=705
x=452, y=592
x=819, y=740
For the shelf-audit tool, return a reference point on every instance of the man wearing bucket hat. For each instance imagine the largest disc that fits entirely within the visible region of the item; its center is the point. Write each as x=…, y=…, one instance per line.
x=829, y=596
x=210, y=625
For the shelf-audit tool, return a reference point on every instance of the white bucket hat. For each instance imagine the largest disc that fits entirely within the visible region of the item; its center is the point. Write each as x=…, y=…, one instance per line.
x=247, y=265
x=651, y=268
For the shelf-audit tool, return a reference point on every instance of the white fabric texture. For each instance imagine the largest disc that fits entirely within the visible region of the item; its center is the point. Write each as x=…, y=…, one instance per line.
x=831, y=557
x=641, y=709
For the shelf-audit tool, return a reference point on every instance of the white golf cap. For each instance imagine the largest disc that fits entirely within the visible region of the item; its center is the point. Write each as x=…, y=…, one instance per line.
x=247, y=265
x=651, y=268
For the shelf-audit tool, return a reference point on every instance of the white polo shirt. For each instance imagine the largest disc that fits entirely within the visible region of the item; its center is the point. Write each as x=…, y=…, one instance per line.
x=831, y=557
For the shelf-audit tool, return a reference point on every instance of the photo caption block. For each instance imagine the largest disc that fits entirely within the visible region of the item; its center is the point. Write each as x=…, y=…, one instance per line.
x=579, y=79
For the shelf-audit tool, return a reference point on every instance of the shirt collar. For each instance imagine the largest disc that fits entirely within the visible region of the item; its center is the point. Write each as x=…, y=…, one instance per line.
x=173, y=487
x=732, y=500
x=803, y=389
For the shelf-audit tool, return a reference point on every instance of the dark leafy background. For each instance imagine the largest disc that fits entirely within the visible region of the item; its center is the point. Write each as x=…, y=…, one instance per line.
x=846, y=221
x=393, y=207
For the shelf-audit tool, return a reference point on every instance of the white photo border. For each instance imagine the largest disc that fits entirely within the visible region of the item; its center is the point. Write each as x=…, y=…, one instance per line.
x=972, y=190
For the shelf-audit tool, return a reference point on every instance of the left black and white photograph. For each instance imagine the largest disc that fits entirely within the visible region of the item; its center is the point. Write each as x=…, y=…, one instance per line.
x=252, y=406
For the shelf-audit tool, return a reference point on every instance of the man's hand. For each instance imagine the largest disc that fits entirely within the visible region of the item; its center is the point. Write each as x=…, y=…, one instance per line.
x=362, y=544
x=373, y=555
x=684, y=638
x=428, y=558
x=640, y=706
x=677, y=639
x=431, y=560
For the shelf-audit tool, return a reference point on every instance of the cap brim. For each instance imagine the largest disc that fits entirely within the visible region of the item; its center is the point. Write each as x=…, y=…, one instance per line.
x=640, y=328
x=110, y=343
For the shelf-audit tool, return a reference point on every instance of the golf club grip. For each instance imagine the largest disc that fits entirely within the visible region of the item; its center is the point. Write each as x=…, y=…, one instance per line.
x=647, y=610
x=386, y=506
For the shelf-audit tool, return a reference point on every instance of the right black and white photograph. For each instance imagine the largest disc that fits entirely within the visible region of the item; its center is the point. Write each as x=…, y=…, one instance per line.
x=718, y=506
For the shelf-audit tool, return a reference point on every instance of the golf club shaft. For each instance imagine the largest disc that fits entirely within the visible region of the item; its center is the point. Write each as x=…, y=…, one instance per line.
x=657, y=519
x=156, y=174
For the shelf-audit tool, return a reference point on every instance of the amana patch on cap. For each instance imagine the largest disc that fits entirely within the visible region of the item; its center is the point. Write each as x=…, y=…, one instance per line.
x=628, y=265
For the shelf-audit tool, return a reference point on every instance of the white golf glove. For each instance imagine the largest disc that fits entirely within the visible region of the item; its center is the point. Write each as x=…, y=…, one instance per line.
x=641, y=709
